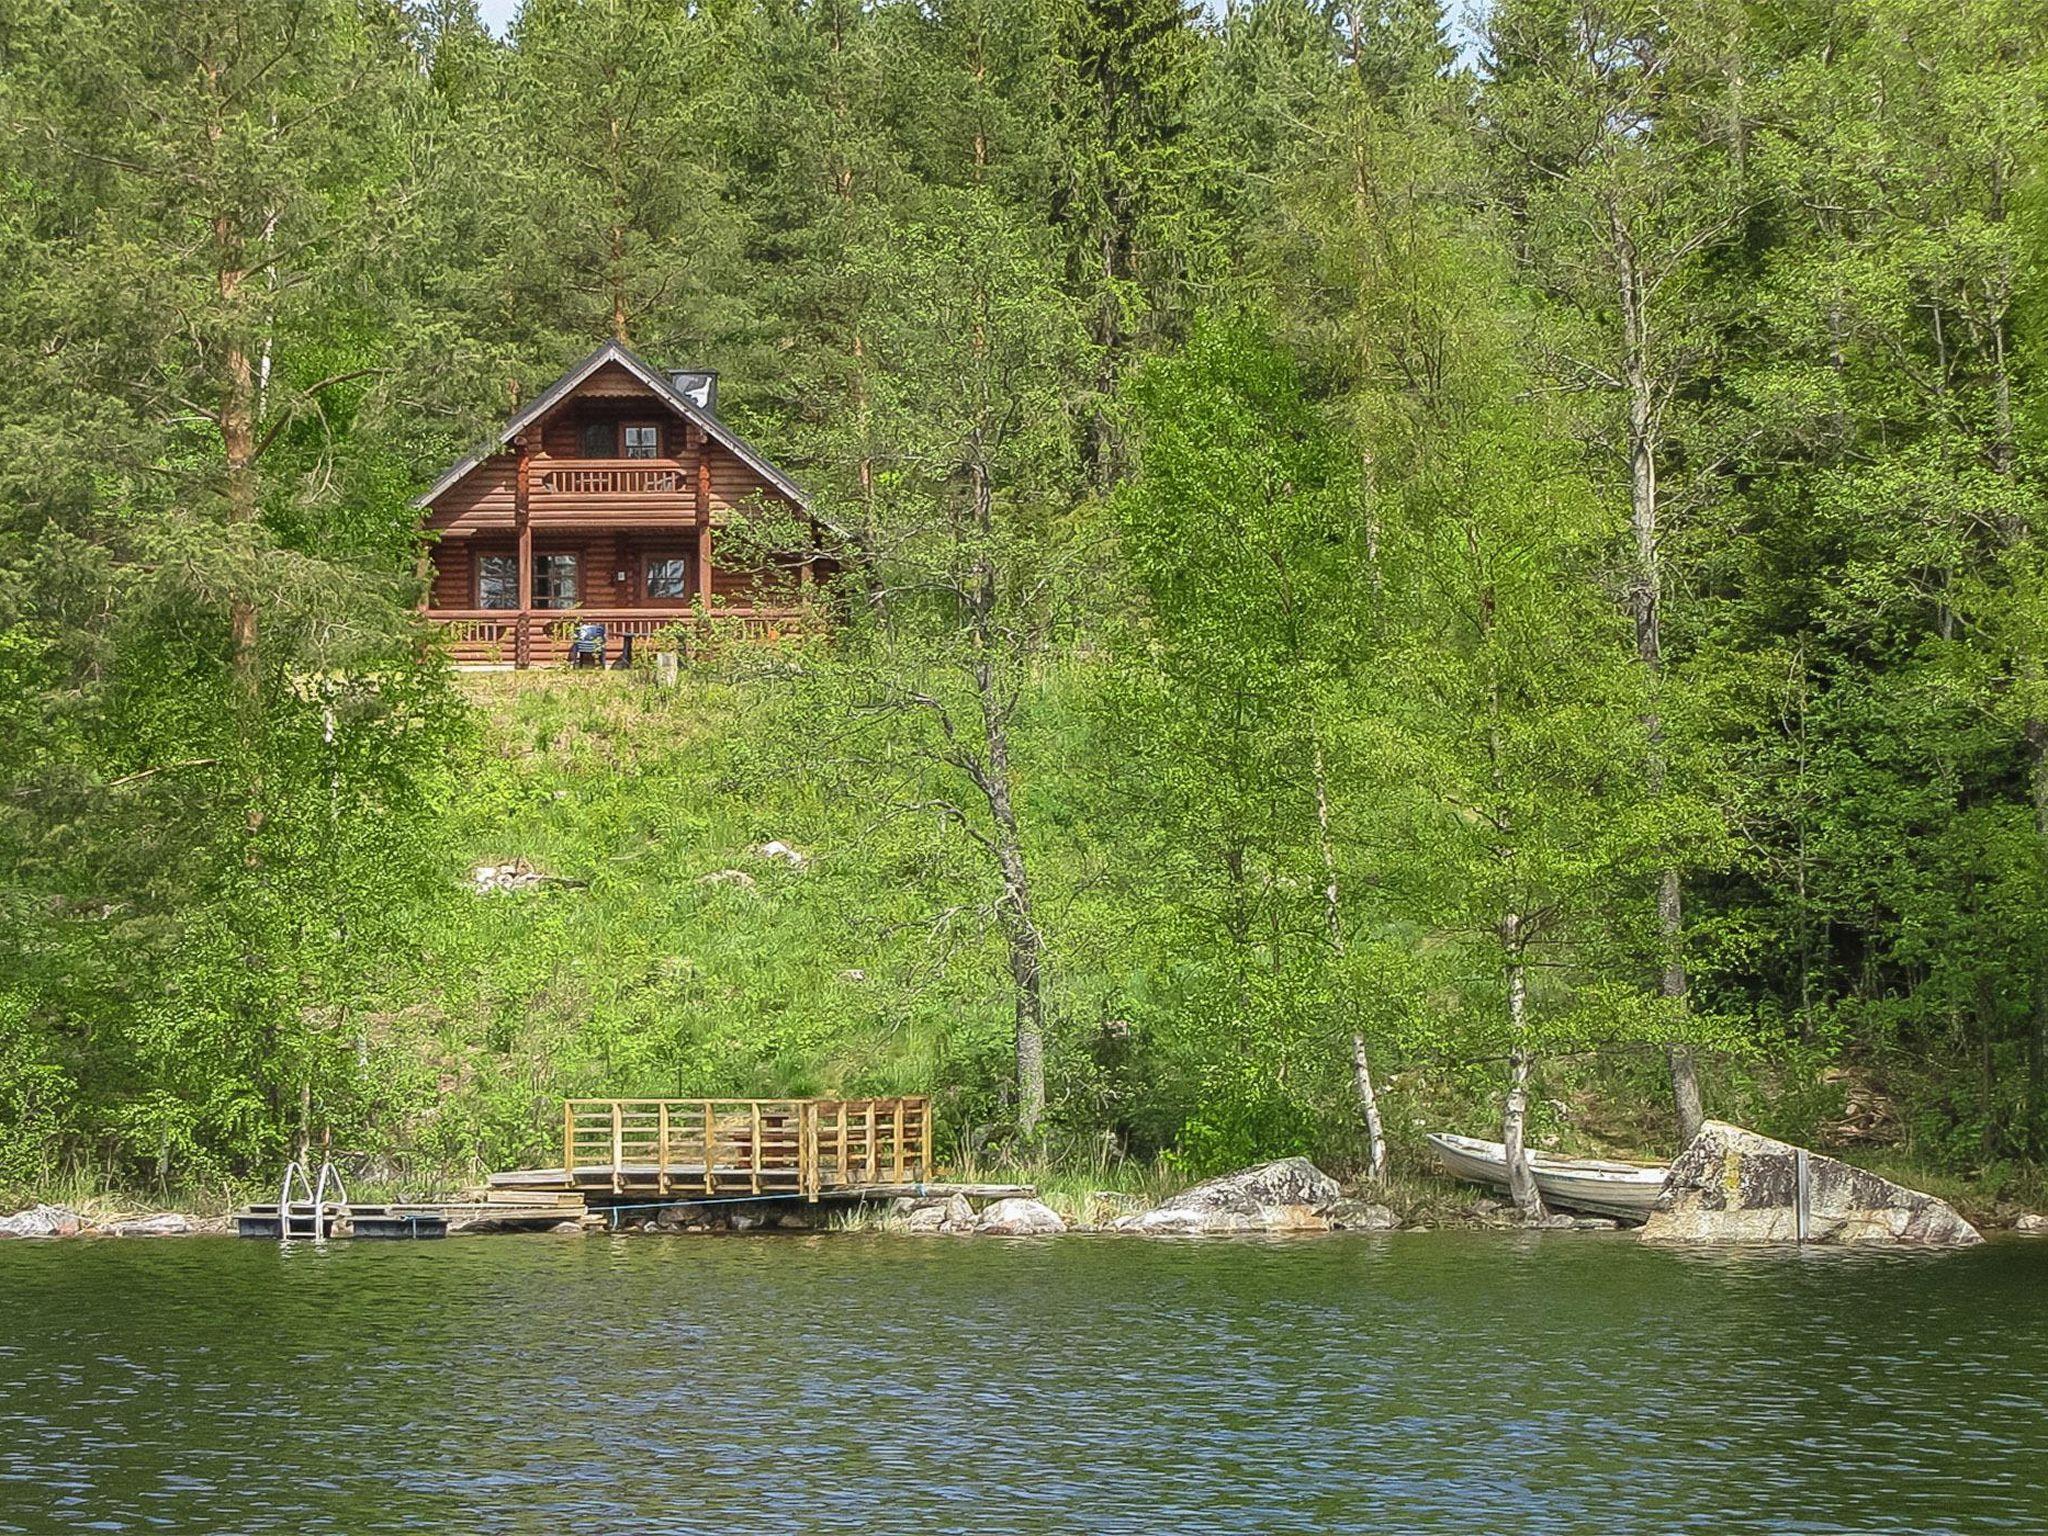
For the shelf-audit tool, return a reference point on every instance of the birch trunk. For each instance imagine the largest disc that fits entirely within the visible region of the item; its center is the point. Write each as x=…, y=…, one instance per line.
x=1333, y=920
x=1646, y=603
x=1514, y=1120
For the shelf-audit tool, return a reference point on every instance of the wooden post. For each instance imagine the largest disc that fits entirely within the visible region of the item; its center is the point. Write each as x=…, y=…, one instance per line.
x=522, y=640
x=704, y=521
x=807, y=1148
x=569, y=1142
x=839, y=1133
x=899, y=1141
x=661, y=1152
x=710, y=1148
x=618, y=1147
x=874, y=1162
x=754, y=1151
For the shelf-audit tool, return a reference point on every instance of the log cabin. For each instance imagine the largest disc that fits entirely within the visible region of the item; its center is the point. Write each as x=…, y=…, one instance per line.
x=591, y=523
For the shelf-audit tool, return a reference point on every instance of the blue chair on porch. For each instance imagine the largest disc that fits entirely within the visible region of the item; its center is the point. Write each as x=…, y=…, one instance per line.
x=587, y=649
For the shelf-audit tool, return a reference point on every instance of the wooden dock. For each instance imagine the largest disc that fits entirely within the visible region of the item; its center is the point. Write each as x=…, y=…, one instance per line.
x=713, y=1148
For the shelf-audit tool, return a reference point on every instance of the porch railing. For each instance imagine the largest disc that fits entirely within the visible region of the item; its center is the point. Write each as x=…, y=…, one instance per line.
x=751, y=1146
x=492, y=634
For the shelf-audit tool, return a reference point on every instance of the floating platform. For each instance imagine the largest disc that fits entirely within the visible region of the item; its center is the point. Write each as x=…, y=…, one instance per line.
x=511, y=1209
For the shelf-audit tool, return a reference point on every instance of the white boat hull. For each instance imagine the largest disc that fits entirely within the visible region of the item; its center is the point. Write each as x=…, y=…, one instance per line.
x=1625, y=1190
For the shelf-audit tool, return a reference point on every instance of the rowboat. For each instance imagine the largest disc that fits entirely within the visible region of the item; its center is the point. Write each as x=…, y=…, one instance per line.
x=1606, y=1188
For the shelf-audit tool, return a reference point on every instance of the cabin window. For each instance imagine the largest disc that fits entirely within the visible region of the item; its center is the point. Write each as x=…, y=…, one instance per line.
x=667, y=577
x=554, y=581
x=643, y=441
x=497, y=581
x=600, y=440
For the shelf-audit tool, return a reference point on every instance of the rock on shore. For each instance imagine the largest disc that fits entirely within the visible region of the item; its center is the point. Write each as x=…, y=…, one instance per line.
x=1291, y=1195
x=1734, y=1186
x=42, y=1221
x=1019, y=1218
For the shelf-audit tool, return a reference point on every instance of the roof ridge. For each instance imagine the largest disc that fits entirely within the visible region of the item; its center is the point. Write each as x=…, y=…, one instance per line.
x=614, y=350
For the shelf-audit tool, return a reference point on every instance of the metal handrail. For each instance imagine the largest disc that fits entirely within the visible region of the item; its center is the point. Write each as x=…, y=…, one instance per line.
x=328, y=1173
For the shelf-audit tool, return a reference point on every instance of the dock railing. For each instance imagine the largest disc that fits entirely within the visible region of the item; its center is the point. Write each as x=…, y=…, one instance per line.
x=746, y=1146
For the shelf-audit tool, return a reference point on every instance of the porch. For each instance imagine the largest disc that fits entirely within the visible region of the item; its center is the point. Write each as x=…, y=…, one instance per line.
x=531, y=637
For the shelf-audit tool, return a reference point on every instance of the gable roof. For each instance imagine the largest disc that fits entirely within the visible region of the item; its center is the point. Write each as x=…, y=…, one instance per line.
x=664, y=390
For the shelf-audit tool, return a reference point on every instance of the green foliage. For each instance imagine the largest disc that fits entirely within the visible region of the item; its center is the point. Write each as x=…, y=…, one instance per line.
x=1243, y=439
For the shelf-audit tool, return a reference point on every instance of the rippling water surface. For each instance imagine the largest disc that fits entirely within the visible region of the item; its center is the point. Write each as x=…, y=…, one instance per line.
x=1428, y=1382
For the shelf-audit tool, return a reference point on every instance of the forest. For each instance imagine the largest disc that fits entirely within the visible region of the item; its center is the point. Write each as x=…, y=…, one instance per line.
x=1397, y=570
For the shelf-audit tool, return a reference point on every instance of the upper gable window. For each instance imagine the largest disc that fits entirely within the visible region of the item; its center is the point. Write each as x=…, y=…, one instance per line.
x=643, y=440
x=600, y=439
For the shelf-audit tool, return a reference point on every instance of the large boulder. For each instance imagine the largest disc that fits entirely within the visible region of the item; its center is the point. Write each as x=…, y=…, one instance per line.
x=1734, y=1186
x=1019, y=1218
x=1291, y=1195
x=42, y=1221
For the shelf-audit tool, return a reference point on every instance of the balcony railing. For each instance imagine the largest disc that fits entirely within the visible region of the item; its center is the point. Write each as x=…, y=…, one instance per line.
x=613, y=477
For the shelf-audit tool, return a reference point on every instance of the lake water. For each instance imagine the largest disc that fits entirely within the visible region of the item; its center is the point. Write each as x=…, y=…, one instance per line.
x=1410, y=1383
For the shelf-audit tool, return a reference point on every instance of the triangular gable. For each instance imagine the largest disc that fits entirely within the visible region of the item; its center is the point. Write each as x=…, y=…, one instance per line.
x=659, y=384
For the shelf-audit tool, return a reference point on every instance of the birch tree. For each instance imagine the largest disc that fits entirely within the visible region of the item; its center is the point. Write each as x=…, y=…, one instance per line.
x=1621, y=128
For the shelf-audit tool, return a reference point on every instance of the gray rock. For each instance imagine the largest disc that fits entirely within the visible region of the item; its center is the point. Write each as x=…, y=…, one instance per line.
x=1350, y=1215
x=1019, y=1218
x=1292, y=1181
x=953, y=1214
x=42, y=1221
x=1595, y=1224
x=170, y=1224
x=677, y=1218
x=568, y=1228
x=2032, y=1222
x=1734, y=1186
x=1291, y=1195
x=1163, y=1222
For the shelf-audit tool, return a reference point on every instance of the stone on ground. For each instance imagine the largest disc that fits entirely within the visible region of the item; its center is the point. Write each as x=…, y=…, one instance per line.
x=1291, y=1195
x=1290, y=1181
x=1349, y=1215
x=954, y=1213
x=1019, y=1218
x=1734, y=1186
x=42, y=1221
x=169, y=1224
x=2033, y=1222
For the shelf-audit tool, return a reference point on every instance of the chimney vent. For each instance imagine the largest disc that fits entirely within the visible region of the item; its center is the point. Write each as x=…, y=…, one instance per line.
x=699, y=386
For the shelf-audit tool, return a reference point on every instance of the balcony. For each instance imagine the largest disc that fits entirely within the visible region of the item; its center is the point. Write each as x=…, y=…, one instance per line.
x=661, y=488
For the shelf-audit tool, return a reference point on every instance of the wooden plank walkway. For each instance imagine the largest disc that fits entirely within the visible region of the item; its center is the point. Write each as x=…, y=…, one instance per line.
x=736, y=1147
